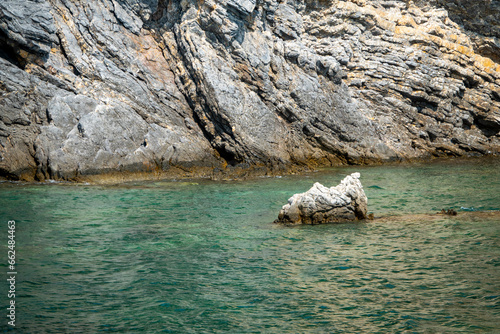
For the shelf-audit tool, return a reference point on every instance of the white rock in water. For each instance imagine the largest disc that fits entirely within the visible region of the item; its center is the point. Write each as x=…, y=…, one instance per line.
x=318, y=205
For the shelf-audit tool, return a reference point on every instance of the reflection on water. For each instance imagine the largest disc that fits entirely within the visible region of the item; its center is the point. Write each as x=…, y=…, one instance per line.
x=194, y=257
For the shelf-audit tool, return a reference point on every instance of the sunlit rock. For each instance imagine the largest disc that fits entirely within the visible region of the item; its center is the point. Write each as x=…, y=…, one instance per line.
x=320, y=204
x=207, y=87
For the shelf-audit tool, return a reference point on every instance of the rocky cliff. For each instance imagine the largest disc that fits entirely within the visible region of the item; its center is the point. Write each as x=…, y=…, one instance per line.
x=104, y=86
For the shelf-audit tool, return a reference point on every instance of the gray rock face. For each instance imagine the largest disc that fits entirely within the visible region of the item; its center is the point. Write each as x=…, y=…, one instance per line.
x=28, y=25
x=107, y=86
x=319, y=205
x=95, y=95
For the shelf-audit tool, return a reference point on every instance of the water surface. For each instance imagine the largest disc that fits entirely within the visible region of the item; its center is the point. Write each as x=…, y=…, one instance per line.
x=200, y=256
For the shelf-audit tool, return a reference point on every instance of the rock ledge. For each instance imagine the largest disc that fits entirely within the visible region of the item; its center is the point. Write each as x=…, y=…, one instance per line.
x=320, y=204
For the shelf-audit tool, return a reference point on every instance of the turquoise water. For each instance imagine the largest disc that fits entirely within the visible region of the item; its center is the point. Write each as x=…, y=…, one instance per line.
x=201, y=256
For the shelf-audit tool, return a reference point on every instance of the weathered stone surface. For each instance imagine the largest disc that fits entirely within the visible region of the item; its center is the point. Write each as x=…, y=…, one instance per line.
x=416, y=72
x=319, y=205
x=27, y=25
x=147, y=85
x=102, y=98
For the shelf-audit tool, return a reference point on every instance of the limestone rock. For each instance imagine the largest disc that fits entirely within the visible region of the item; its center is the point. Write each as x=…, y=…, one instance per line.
x=101, y=86
x=27, y=25
x=320, y=204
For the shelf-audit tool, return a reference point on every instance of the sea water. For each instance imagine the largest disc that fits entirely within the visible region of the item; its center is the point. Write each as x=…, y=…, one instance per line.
x=199, y=256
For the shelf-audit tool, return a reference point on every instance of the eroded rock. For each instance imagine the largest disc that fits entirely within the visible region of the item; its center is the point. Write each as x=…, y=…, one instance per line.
x=146, y=85
x=320, y=204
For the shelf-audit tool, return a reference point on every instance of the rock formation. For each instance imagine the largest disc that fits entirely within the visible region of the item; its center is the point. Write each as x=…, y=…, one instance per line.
x=319, y=205
x=101, y=86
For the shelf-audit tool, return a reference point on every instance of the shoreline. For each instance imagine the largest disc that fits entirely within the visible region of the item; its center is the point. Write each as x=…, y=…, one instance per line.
x=234, y=173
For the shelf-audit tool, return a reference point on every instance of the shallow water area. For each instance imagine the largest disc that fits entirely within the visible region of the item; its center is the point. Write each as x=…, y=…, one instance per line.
x=198, y=256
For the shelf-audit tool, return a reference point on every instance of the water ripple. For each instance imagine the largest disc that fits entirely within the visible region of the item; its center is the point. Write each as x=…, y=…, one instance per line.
x=203, y=257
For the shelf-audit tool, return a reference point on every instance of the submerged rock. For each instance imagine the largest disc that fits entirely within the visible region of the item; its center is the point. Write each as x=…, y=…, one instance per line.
x=320, y=204
x=449, y=212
